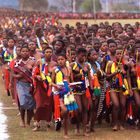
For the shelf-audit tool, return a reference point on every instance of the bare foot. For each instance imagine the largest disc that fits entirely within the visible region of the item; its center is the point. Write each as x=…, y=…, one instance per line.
x=77, y=132
x=18, y=114
x=22, y=124
x=115, y=128
x=36, y=128
x=66, y=137
x=28, y=125
x=86, y=134
x=121, y=127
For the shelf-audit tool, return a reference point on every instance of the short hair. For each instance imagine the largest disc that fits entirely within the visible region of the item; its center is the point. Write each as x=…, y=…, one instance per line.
x=81, y=50
x=48, y=48
x=111, y=41
x=62, y=54
x=24, y=46
x=90, y=51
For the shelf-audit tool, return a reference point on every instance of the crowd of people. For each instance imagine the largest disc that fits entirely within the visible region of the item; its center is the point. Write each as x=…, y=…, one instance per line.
x=76, y=15
x=71, y=75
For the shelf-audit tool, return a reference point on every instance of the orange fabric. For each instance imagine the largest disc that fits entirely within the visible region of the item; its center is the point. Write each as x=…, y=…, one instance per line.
x=56, y=107
x=95, y=81
x=120, y=79
x=88, y=93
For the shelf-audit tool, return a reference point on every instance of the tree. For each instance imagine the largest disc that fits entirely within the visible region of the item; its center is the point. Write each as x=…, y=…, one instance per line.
x=53, y=8
x=124, y=7
x=35, y=5
x=88, y=6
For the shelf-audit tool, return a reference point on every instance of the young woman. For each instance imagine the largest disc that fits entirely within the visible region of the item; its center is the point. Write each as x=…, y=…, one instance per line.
x=134, y=79
x=43, y=93
x=95, y=73
x=81, y=73
x=24, y=86
x=63, y=99
x=116, y=73
x=8, y=55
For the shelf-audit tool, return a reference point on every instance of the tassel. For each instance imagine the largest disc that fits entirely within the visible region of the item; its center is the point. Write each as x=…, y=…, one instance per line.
x=138, y=76
x=7, y=79
x=66, y=100
x=49, y=90
x=120, y=80
x=127, y=87
x=56, y=107
x=59, y=77
x=71, y=98
x=130, y=114
x=107, y=98
x=138, y=82
x=97, y=89
x=88, y=93
x=113, y=68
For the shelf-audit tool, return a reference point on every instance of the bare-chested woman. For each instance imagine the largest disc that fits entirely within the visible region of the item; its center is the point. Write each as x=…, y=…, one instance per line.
x=42, y=84
x=23, y=73
x=81, y=72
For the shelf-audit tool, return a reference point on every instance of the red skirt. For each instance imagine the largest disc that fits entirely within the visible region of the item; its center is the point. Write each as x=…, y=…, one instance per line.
x=44, y=103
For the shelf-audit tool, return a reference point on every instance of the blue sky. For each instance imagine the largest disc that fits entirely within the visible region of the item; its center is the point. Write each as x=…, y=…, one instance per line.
x=9, y=3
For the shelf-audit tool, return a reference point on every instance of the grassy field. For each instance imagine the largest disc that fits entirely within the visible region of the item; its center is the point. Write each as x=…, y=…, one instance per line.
x=103, y=132
x=92, y=21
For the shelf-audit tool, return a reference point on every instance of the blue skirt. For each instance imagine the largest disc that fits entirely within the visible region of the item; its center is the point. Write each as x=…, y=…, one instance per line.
x=26, y=99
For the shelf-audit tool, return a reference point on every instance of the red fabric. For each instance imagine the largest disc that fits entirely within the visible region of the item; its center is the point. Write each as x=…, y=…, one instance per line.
x=120, y=79
x=7, y=78
x=88, y=93
x=138, y=71
x=56, y=107
x=130, y=110
x=107, y=98
x=44, y=103
x=12, y=64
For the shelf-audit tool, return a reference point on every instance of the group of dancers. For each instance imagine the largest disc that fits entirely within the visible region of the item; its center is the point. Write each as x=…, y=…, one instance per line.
x=76, y=75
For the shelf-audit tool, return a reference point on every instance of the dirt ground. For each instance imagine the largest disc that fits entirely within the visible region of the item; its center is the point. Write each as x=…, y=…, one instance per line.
x=92, y=21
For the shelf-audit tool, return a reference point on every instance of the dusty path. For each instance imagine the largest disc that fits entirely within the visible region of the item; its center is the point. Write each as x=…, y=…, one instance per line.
x=3, y=124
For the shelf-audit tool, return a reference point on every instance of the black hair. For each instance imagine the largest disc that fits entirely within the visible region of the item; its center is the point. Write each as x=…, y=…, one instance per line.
x=11, y=39
x=111, y=41
x=137, y=42
x=28, y=29
x=48, y=48
x=90, y=51
x=81, y=50
x=62, y=54
x=24, y=46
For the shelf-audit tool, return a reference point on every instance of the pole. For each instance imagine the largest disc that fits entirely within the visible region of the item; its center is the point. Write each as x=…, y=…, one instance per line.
x=94, y=8
x=74, y=6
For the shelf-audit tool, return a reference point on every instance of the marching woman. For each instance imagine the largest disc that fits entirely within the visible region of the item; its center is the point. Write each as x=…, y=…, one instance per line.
x=134, y=79
x=81, y=73
x=24, y=86
x=115, y=74
x=43, y=90
x=8, y=55
x=63, y=98
x=96, y=73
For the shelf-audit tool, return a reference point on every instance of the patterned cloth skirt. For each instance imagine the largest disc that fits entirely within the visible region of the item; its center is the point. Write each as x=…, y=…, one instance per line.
x=26, y=99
